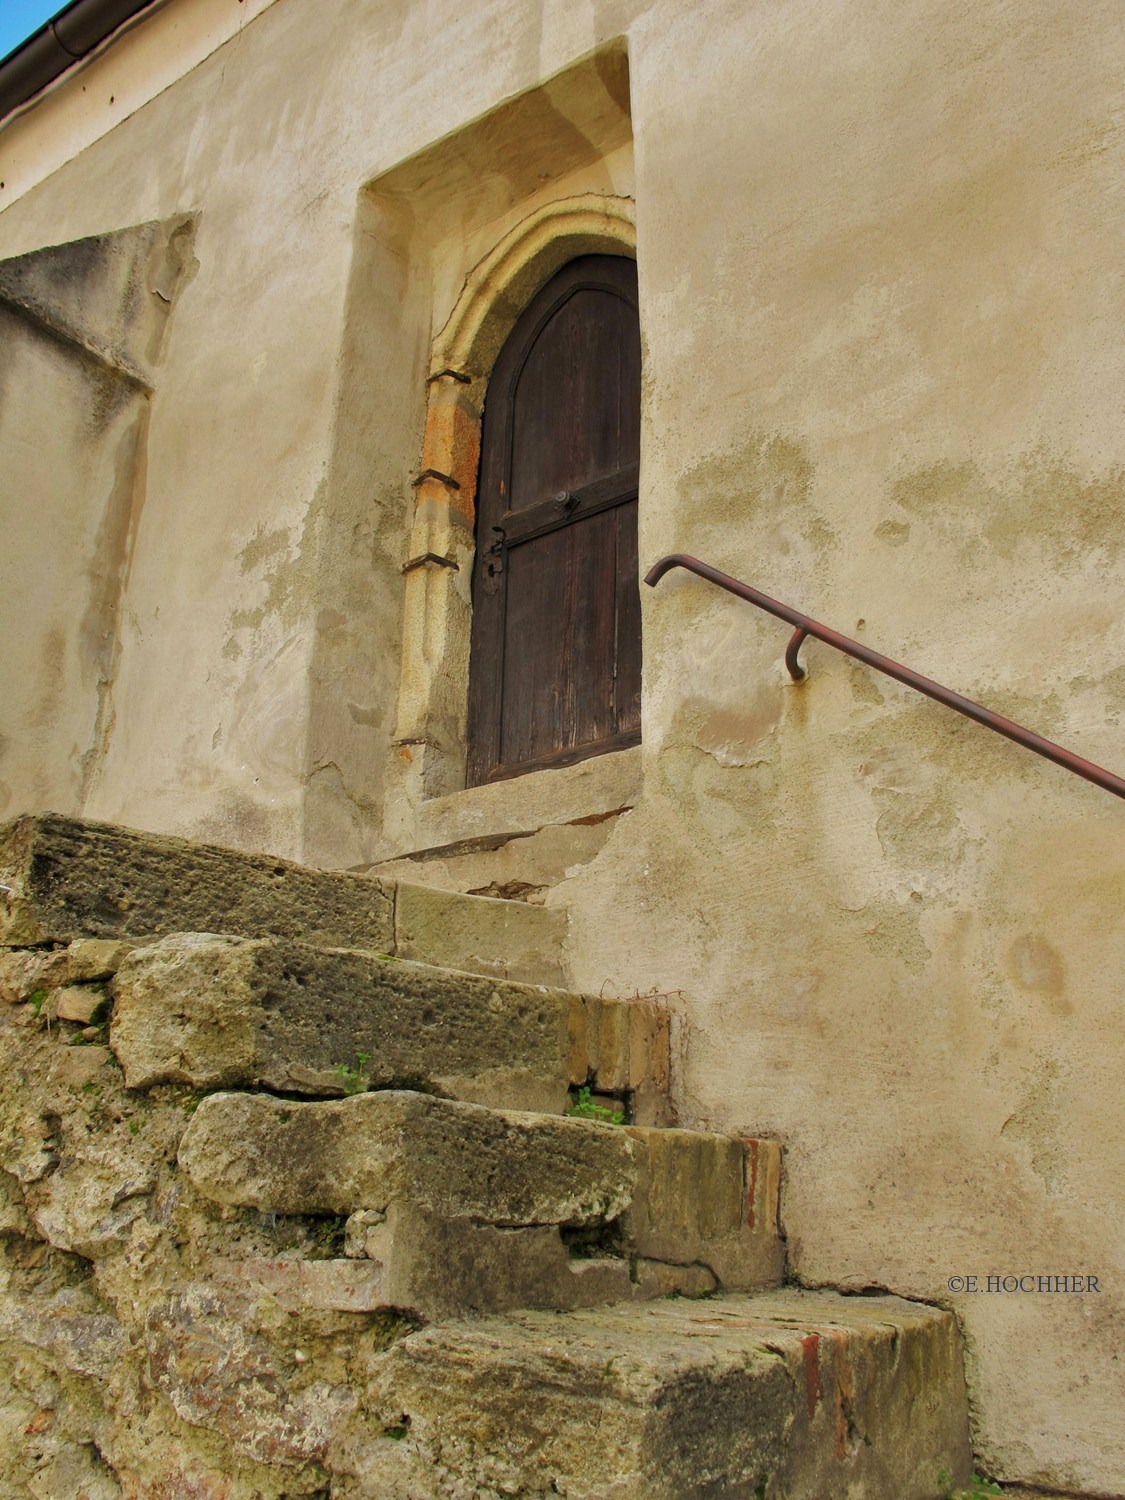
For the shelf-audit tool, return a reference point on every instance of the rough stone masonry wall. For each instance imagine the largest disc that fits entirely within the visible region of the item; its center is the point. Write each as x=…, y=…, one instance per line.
x=124, y=1368
x=880, y=272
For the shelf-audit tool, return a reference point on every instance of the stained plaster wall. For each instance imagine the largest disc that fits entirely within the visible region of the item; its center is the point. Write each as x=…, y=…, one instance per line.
x=81, y=327
x=880, y=270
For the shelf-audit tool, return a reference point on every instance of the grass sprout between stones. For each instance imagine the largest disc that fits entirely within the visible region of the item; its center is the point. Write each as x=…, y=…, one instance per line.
x=585, y=1107
x=976, y=1489
x=354, y=1080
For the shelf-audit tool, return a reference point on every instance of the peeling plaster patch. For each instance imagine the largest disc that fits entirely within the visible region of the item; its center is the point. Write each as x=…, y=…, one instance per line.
x=894, y=533
x=726, y=804
x=930, y=742
x=915, y=814
x=894, y=931
x=864, y=683
x=329, y=771
x=286, y=570
x=769, y=477
x=732, y=737
x=916, y=826
x=1036, y=1126
x=1033, y=964
x=369, y=717
x=1109, y=685
x=1042, y=498
x=263, y=546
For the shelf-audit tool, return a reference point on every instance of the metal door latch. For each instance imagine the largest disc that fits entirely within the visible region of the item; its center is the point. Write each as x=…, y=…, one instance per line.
x=493, y=562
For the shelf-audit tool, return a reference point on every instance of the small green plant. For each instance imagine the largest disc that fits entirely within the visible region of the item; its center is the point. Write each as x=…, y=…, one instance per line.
x=354, y=1080
x=37, y=999
x=326, y=1240
x=585, y=1107
x=976, y=1489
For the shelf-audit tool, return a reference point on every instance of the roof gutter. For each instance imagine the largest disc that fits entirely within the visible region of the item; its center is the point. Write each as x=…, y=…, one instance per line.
x=68, y=37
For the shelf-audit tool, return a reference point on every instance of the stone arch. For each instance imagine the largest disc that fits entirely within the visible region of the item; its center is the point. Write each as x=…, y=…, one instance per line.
x=498, y=289
x=429, y=746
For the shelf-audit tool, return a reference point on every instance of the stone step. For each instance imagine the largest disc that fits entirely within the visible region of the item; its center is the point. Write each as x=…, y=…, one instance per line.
x=65, y=879
x=784, y=1395
x=221, y=1012
x=480, y=934
x=226, y=1012
x=467, y=1208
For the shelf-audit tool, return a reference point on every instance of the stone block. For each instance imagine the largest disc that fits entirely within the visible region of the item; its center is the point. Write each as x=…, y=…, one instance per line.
x=66, y=879
x=655, y=1278
x=481, y=935
x=21, y=974
x=74, y=1067
x=91, y=959
x=77, y=1002
x=709, y=1200
x=221, y=1012
x=623, y=1047
x=325, y=1285
x=220, y=1374
x=439, y=1267
x=784, y=1396
x=457, y=1161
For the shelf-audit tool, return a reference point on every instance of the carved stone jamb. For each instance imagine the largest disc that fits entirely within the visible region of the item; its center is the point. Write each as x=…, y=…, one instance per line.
x=428, y=753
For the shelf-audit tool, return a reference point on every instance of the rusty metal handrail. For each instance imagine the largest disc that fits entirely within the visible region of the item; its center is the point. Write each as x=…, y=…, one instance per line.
x=806, y=626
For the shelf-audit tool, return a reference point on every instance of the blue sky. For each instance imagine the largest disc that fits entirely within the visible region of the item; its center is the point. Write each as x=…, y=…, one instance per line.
x=19, y=18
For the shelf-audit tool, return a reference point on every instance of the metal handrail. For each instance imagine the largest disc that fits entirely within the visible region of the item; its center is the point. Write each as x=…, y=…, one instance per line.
x=806, y=626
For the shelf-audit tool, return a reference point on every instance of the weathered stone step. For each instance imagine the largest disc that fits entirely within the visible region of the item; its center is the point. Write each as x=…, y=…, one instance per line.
x=470, y=1208
x=480, y=934
x=221, y=1012
x=458, y=1160
x=779, y=1396
x=65, y=879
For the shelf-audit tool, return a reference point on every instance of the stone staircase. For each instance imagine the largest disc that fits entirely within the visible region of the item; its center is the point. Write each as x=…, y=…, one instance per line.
x=285, y=1210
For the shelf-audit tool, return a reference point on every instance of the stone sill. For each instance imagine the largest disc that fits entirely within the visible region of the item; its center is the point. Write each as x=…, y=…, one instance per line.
x=523, y=804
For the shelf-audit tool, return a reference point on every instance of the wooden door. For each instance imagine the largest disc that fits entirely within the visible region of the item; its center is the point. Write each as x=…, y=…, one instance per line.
x=555, y=672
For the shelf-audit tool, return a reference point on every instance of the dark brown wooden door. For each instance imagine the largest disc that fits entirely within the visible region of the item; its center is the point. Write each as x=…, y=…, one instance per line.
x=555, y=673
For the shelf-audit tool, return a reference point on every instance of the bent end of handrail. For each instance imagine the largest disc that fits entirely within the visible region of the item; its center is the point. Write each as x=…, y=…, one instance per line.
x=666, y=564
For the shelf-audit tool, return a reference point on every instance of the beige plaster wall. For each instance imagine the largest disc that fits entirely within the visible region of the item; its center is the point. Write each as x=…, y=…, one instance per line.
x=882, y=293
x=52, y=614
x=81, y=328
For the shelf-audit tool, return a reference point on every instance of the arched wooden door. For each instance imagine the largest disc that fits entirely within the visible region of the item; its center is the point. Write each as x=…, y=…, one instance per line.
x=555, y=669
